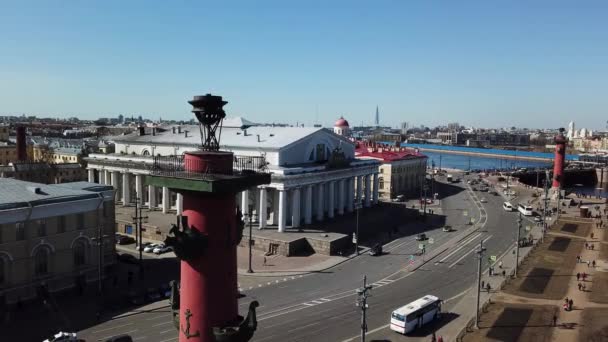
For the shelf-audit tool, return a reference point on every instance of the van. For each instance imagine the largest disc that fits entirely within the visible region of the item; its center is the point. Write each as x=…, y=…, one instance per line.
x=507, y=206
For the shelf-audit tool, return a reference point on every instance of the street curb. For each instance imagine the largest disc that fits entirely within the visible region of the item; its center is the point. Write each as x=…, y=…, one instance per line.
x=288, y=273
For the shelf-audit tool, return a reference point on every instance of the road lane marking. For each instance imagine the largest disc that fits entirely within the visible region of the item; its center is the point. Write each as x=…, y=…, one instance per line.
x=467, y=253
x=110, y=328
x=164, y=323
x=166, y=331
x=155, y=318
x=171, y=339
x=459, y=248
x=140, y=338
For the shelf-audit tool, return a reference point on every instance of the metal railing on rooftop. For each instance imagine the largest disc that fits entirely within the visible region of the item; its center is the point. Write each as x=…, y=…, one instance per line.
x=174, y=166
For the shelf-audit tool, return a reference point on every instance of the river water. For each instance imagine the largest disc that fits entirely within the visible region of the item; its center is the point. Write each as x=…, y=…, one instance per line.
x=465, y=162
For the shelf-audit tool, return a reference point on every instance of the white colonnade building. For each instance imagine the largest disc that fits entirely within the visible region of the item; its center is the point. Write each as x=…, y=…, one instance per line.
x=314, y=173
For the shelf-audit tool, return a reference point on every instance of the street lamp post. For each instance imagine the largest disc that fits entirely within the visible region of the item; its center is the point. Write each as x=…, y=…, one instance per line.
x=358, y=206
x=519, y=220
x=363, y=294
x=250, y=214
x=480, y=257
x=138, y=218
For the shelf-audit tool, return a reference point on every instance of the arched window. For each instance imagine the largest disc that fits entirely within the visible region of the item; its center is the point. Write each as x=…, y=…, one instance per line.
x=145, y=153
x=41, y=261
x=80, y=252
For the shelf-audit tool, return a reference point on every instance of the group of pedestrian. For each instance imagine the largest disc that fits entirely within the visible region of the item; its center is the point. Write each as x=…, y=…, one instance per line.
x=599, y=224
x=568, y=304
x=582, y=287
x=590, y=246
x=581, y=276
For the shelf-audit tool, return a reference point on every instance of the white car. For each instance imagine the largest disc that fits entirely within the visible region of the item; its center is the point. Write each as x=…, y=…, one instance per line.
x=160, y=249
x=150, y=248
x=483, y=200
x=62, y=336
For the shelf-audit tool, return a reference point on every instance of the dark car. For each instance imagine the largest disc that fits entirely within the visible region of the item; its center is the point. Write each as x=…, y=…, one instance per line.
x=128, y=258
x=152, y=295
x=120, y=338
x=164, y=290
x=136, y=298
x=421, y=237
x=125, y=240
x=376, y=250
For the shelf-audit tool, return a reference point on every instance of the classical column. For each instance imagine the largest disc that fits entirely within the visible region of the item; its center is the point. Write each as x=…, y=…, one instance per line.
x=152, y=197
x=282, y=210
x=166, y=200
x=332, y=198
x=295, y=219
x=341, y=197
x=350, y=201
x=367, y=190
x=375, y=196
x=107, y=175
x=126, y=189
x=114, y=182
x=91, y=175
x=359, y=181
x=245, y=202
x=308, y=205
x=179, y=204
x=139, y=188
x=263, y=208
x=320, y=202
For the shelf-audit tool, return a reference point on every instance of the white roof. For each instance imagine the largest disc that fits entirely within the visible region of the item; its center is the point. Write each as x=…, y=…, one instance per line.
x=269, y=137
x=416, y=305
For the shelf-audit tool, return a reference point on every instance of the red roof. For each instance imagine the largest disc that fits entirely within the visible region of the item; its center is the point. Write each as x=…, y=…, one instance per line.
x=387, y=155
x=341, y=123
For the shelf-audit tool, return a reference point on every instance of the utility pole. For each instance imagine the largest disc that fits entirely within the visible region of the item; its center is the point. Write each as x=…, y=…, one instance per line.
x=480, y=257
x=519, y=220
x=363, y=294
x=138, y=218
x=546, y=200
x=250, y=214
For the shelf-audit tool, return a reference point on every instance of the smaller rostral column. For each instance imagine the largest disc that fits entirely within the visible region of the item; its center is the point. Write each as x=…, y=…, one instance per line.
x=205, y=302
x=559, y=159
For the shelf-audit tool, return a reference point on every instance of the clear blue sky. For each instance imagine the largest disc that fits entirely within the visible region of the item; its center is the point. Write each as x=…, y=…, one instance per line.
x=481, y=63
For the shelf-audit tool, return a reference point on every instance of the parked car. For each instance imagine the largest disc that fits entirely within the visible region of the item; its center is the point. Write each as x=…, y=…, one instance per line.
x=128, y=258
x=538, y=219
x=421, y=237
x=135, y=298
x=144, y=245
x=447, y=228
x=164, y=290
x=125, y=240
x=376, y=250
x=120, y=338
x=152, y=295
x=483, y=200
x=162, y=249
x=117, y=237
x=63, y=337
x=150, y=248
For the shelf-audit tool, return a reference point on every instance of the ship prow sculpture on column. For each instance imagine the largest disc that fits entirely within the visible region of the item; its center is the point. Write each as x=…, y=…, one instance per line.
x=205, y=303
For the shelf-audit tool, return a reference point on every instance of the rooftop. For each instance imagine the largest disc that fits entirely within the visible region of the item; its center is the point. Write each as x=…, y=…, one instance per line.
x=387, y=153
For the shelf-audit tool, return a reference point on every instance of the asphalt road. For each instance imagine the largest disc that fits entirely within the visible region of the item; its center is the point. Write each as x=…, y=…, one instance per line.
x=321, y=306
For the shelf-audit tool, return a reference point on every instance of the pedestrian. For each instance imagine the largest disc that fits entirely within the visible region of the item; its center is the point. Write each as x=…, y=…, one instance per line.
x=578, y=275
x=586, y=245
x=488, y=287
x=555, y=319
x=433, y=338
x=483, y=283
x=500, y=264
x=584, y=287
x=580, y=286
x=578, y=259
x=584, y=275
x=264, y=261
x=566, y=301
x=570, y=304
x=588, y=263
x=591, y=235
x=504, y=273
x=593, y=263
x=592, y=247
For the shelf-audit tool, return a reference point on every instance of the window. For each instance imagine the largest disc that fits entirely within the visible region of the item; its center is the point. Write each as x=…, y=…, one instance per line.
x=41, y=261
x=380, y=183
x=61, y=224
x=146, y=153
x=80, y=221
x=312, y=155
x=20, y=231
x=41, y=228
x=320, y=152
x=79, y=253
x=381, y=170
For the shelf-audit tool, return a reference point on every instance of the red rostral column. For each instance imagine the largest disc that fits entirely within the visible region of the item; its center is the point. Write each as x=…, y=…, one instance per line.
x=559, y=159
x=205, y=307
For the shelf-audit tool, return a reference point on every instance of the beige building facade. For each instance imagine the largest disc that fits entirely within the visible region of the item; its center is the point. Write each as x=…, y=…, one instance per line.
x=49, y=235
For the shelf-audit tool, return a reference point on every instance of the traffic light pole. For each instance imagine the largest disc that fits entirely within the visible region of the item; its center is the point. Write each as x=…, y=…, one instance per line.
x=362, y=302
x=519, y=220
x=480, y=257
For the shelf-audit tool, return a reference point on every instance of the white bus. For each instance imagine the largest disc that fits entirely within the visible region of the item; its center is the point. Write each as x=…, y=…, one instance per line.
x=415, y=314
x=526, y=210
x=507, y=206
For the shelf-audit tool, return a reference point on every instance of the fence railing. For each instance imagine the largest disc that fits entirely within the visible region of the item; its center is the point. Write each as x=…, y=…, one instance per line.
x=175, y=166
